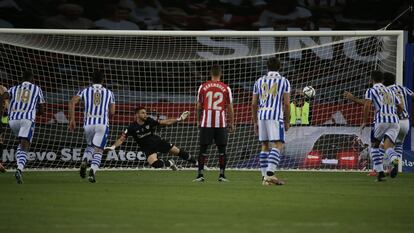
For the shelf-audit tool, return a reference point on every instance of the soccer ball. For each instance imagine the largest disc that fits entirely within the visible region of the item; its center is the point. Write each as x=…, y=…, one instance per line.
x=309, y=91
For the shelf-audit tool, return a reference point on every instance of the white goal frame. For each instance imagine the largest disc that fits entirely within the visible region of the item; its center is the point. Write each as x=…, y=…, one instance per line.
x=364, y=33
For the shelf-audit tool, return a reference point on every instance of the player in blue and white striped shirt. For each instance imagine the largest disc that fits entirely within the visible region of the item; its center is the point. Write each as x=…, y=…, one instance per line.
x=99, y=105
x=26, y=100
x=402, y=94
x=271, y=117
x=386, y=123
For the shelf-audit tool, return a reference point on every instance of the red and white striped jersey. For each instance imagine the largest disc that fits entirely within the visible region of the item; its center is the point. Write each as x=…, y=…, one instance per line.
x=214, y=97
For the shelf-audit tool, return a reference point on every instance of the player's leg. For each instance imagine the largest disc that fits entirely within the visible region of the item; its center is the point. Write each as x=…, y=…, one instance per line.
x=182, y=154
x=24, y=129
x=89, y=132
x=221, y=138
x=404, y=128
x=202, y=160
x=155, y=162
x=206, y=138
x=276, y=132
x=377, y=158
x=99, y=142
x=264, y=153
x=389, y=143
x=377, y=153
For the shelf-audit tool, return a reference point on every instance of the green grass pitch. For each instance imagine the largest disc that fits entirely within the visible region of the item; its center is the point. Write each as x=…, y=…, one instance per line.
x=167, y=201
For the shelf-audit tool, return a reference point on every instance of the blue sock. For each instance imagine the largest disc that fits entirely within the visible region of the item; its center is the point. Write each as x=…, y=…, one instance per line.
x=21, y=158
x=377, y=159
x=96, y=161
x=273, y=160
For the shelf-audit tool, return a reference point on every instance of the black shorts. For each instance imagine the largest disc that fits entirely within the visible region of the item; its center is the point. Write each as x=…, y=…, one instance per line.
x=220, y=136
x=158, y=146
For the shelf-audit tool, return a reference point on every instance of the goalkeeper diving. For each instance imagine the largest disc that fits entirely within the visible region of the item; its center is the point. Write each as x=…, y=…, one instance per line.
x=143, y=132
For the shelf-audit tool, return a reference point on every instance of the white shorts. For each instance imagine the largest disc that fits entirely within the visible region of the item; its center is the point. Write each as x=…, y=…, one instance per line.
x=404, y=128
x=386, y=129
x=96, y=135
x=271, y=130
x=23, y=128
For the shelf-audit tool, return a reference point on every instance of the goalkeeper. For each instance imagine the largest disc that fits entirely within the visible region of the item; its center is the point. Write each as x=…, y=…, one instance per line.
x=142, y=130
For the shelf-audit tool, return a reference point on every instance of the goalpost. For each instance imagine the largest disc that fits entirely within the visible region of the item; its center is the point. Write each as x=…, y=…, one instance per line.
x=162, y=70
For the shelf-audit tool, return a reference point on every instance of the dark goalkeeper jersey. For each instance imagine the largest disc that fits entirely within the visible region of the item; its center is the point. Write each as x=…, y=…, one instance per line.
x=144, y=134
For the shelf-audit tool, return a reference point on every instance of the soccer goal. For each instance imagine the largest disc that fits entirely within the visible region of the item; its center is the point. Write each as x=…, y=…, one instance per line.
x=162, y=71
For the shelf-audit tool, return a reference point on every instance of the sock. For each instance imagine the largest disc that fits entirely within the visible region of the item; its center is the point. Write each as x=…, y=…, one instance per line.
x=392, y=154
x=384, y=157
x=222, y=164
x=87, y=154
x=184, y=155
x=201, y=160
x=263, y=161
x=96, y=161
x=273, y=160
x=399, y=149
x=167, y=163
x=159, y=164
x=21, y=158
x=377, y=158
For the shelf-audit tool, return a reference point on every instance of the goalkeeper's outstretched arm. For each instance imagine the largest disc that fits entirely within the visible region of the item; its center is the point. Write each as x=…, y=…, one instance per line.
x=171, y=121
x=118, y=142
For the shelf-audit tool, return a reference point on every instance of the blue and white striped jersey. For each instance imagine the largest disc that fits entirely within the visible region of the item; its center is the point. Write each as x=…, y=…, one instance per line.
x=385, y=102
x=270, y=89
x=97, y=100
x=402, y=94
x=24, y=99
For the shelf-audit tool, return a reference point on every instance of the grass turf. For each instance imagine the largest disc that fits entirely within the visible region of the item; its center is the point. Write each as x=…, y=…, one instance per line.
x=166, y=201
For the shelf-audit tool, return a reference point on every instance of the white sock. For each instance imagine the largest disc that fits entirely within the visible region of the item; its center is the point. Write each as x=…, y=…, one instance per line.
x=392, y=154
x=377, y=159
x=88, y=153
x=96, y=161
x=263, y=161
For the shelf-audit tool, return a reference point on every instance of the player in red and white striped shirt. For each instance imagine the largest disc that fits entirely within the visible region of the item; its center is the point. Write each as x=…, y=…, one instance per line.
x=214, y=101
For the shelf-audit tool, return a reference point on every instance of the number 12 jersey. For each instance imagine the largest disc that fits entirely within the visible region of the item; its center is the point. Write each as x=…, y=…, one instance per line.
x=214, y=97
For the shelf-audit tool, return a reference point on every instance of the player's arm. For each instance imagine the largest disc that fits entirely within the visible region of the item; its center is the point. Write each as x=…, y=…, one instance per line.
x=40, y=103
x=399, y=103
x=199, y=105
x=199, y=109
x=400, y=108
x=171, y=121
x=366, y=112
x=230, y=110
x=286, y=110
x=3, y=98
x=40, y=109
x=72, y=103
x=349, y=96
x=254, y=112
x=118, y=142
x=112, y=105
x=111, y=110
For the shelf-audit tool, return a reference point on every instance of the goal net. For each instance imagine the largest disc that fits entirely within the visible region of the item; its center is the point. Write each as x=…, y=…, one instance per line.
x=162, y=71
